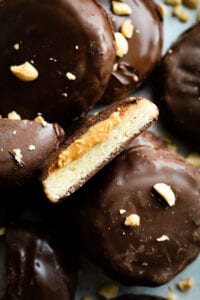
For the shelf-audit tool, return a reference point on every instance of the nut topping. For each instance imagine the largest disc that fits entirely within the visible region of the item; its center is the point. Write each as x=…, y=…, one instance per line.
x=121, y=44
x=122, y=211
x=25, y=72
x=166, y=192
x=70, y=76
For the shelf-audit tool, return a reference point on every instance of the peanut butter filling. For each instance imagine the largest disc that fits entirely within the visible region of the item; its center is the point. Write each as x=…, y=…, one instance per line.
x=94, y=136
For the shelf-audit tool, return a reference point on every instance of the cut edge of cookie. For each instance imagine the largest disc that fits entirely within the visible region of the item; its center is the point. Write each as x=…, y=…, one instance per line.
x=91, y=148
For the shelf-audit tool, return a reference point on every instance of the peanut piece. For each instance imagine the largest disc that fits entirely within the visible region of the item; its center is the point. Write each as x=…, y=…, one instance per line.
x=127, y=29
x=121, y=9
x=132, y=220
x=121, y=44
x=166, y=192
x=25, y=72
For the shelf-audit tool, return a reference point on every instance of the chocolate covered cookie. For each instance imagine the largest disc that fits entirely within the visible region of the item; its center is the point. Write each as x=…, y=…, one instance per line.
x=138, y=32
x=140, y=216
x=90, y=148
x=180, y=86
x=56, y=57
x=24, y=145
x=37, y=267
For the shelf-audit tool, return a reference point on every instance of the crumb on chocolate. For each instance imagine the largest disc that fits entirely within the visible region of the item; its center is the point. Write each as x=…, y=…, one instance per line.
x=115, y=66
x=170, y=296
x=166, y=192
x=41, y=120
x=127, y=29
x=65, y=95
x=121, y=44
x=135, y=78
x=121, y=9
x=31, y=147
x=25, y=72
x=14, y=116
x=162, y=238
x=17, y=155
x=132, y=220
x=122, y=211
x=70, y=76
x=16, y=46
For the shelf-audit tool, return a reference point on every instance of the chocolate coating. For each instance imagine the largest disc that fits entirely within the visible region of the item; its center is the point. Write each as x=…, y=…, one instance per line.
x=145, y=47
x=13, y=203
x=180, y=90
x=133, y=255
x=146, y=138
x=58, y=36
x=36, y=266
x=22, y=135
x=138, y=297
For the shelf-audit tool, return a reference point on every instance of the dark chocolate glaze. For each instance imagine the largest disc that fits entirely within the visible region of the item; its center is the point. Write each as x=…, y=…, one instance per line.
x=133, y=255
x=144, y=51
x=138, y=297
x=21, y=134
x=146, y=138
x=59, y=36
x=36, y=265
x=180, y=87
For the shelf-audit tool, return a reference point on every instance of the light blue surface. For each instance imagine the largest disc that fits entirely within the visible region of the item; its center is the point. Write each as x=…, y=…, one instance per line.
x=92, y=279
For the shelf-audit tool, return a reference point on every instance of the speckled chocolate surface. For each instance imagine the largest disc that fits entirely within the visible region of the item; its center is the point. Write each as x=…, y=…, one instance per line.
x=144, y=47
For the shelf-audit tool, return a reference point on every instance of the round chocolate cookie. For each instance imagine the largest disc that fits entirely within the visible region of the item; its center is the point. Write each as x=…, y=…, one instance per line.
x=140, y=216
x=144, y=40
x=24, y=145
x=56, y=57
x=180, y=87
x=138, y=297
x=37, y=265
